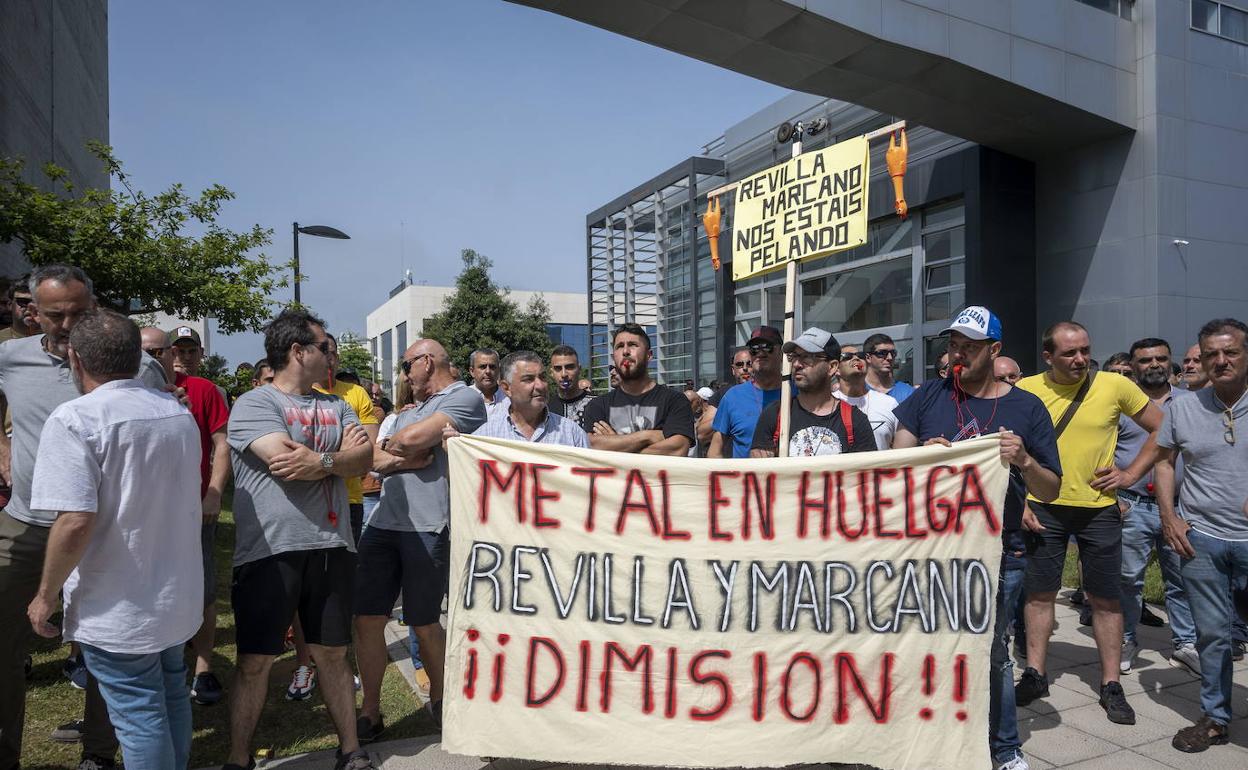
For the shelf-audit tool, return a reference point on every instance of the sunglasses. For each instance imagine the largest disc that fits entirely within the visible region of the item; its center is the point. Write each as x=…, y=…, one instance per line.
x=156, y=352
x=806, y=359
x=761, y=347
x=884, y=353
x=851, y=356
x=740, y=364
x=23, y=301
x=407, y=365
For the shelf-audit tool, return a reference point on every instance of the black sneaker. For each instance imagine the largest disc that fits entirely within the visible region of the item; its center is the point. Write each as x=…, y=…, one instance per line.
x=1077, y=597
x=28, y=666
x=434, y=709
x=367, y=730
x=1085, y=615
x=206, y=689
x=1030, y=686
x=1237, y=649
x=356, y=760
x=70, y=732
x=1149, y=618
x=251, y=765
x=76, y=672
x=1114, y=701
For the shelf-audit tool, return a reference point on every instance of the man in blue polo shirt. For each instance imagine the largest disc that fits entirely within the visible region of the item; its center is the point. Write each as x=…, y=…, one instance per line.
x=741, y=405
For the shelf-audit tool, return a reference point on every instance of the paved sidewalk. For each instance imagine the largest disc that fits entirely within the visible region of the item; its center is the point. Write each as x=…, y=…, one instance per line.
x=1068, y=729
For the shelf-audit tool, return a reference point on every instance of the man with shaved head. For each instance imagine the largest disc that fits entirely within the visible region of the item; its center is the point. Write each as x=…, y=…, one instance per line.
x=406, y=545
x=1006, y=369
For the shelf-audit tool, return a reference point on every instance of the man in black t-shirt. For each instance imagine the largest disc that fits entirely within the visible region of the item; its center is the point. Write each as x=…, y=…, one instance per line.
x=819, y=423
x=639, y=415
x=570, y=398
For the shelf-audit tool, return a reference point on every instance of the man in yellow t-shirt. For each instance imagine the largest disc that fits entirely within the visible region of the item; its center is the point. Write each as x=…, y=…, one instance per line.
x=1086, y=507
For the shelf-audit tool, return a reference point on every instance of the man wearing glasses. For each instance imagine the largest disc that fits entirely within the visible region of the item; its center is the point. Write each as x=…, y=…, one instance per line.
x=819, y=424
x=406, y=546
x=876, y=405
x=883, y=360
x=21, y=306
x=737, y=413
x=971, y=403
x=1210, y=431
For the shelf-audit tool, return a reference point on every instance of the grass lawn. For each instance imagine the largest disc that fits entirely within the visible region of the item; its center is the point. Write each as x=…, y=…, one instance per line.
x=1154, y=591
x=285, y=727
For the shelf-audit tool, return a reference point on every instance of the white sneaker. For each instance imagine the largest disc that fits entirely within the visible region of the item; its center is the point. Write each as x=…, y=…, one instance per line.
x=1129, y=650
x=1186, y=657
x=1017, y=763
x=302, y=683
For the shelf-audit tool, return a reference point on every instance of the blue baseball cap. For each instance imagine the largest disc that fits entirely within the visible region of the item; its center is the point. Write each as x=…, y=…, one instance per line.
x=976, y=322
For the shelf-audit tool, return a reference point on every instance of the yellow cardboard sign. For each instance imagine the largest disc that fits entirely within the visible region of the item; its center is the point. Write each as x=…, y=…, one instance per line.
x=613, y=608
x=809, y=206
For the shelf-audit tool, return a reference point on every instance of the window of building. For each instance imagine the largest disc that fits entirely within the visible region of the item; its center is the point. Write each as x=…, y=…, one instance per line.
x=400, y=332
x=387, y=373
x=864, y=297
x=1121, y=8
x=944, y=261
x=1221, y=19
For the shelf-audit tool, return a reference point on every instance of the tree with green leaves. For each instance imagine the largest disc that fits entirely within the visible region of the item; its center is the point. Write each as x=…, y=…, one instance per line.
x=144, y=253
x=354, y=355
x=480, y=315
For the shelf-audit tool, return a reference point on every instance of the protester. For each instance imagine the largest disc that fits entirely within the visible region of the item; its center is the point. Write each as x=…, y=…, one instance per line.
x=737, y=414
x=1141, y=518
x=971, y=402
x=370, y=483
x=262, y=373
x=528, y=418
x=483, y=366
x=876, y=405
x=1084, y=407
x=703, y=419
x=406, y=546
x=211, y=416
x=1007, y=370
x=883, y=353
x=1119, y=363
x=292, y=449
x=1212, y=535
x=613, y=379
x=187, y=352
x=942, y=365
x=571, y=397
x=740, y=372
x=35, y=378
x=22, y=321
x=819, y=423
x=639, y=415
x=117, y=467
x=357, y=398
x=1194, y=376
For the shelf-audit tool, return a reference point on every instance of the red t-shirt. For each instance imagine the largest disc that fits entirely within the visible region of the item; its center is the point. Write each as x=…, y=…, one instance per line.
x=211, y=415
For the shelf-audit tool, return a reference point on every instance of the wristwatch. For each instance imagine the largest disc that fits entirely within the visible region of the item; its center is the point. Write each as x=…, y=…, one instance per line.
x=327, y=462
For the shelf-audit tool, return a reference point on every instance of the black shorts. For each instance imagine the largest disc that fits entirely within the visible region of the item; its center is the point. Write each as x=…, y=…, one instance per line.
x=1098, y=534
x=266, y=593
x=417, y=563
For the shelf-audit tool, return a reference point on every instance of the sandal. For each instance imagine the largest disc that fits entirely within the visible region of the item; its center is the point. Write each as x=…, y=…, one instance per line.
x=1198, y=737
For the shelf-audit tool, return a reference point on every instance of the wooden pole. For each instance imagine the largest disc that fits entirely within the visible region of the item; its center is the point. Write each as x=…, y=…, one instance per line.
x=786, y=371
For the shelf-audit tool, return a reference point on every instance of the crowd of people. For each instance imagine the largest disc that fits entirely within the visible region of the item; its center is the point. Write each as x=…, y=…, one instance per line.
x=120, y=455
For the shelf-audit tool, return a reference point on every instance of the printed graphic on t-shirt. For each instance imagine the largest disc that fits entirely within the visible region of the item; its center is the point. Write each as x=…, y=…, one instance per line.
x=631, y=418
x=968, y=430
x=316, y=425
x=815, y=441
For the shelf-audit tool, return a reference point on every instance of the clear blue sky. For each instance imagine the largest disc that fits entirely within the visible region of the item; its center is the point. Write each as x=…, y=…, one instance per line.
x=475, y=123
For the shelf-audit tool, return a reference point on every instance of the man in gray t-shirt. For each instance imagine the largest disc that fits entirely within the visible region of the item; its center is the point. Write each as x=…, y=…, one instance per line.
x=1210, y=431
x=291, y=449
x=405, y=546
x=35, y=379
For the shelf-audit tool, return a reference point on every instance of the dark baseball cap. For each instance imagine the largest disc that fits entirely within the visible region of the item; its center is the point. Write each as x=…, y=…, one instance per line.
x=767, y=334
x=182, y=333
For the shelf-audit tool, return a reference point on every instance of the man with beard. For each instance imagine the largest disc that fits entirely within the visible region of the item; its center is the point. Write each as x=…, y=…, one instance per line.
x=1141, y=517
x=1084, y=406
x=736, y=416
x=876, y=405
x=570, y=397
x=971, y=402
x=35, y=378
x=820, y=423
x=640, y=415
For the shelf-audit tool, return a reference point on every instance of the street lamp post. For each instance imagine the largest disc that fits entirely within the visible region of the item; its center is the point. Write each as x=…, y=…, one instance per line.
x=319, y=230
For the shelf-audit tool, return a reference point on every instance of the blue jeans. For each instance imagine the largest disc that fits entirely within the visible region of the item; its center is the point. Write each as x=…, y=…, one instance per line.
x=413, y=648
x=1141, y=533
x=149, y=703
x=1209, y=576
x=1003, y=740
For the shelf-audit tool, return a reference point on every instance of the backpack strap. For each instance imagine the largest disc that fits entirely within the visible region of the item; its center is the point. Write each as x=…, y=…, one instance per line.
x=847, y=419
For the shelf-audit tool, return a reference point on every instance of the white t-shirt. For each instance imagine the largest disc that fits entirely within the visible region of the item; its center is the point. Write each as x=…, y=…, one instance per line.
x=130, y=455
x=879, y=410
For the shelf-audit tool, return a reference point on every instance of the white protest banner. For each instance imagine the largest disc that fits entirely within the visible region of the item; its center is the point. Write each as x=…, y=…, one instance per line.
x=630, y=609
x=808, y=206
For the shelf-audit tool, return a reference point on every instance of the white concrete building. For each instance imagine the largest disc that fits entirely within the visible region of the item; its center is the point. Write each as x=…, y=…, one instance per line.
x=400, y=320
